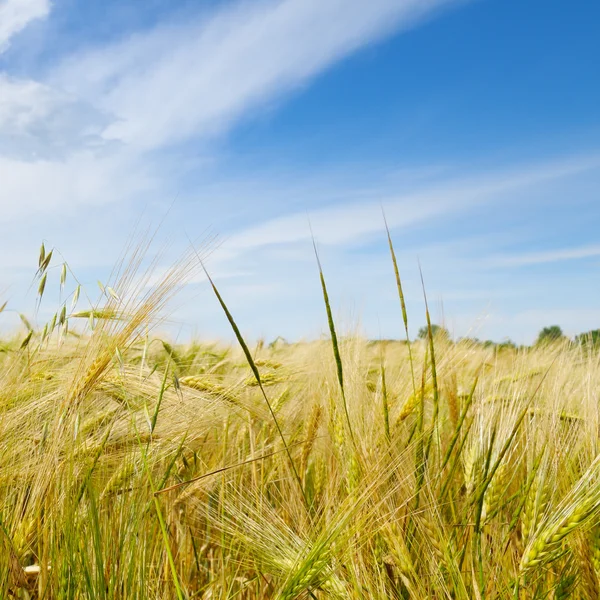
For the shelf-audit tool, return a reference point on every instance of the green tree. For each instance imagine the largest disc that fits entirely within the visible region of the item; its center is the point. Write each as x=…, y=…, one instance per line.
x=506, y=344
x=436, y=330
x=550, y=334
x=589, y=338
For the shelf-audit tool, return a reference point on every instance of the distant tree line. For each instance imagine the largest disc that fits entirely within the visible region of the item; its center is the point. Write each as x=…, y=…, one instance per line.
x=553, y=334
x=548, y=335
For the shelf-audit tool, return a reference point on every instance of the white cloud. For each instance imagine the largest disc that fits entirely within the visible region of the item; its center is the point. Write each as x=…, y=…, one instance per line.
x=349, y=223
x=158, y=87
x=39, y=121
x=197, y=79
x=549, y=256
x=25, y=102
x=45, y=187
x=15, y=15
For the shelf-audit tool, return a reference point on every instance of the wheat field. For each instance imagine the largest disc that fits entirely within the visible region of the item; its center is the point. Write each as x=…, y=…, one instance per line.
x=339, y=468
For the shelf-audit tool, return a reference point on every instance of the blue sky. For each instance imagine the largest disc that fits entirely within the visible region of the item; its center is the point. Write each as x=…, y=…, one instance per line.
x=474, y=123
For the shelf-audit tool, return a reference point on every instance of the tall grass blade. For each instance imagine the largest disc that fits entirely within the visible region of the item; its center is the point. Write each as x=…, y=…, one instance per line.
x=334, y=344
x=256, y=374
x=402, y=301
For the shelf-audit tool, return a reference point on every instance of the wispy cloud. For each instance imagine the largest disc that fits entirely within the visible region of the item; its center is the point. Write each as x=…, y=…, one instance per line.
x=38, y=121
x=81, y=133
x=84, y=179
x=549, y=256
x=351, y=223
x=200, y=77
x=15, y=15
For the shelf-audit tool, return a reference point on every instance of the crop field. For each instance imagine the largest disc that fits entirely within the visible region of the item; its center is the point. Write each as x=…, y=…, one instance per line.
x=339, y=468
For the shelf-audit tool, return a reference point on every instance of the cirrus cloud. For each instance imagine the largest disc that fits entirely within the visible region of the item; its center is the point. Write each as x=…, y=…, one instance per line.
x=15, y=15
